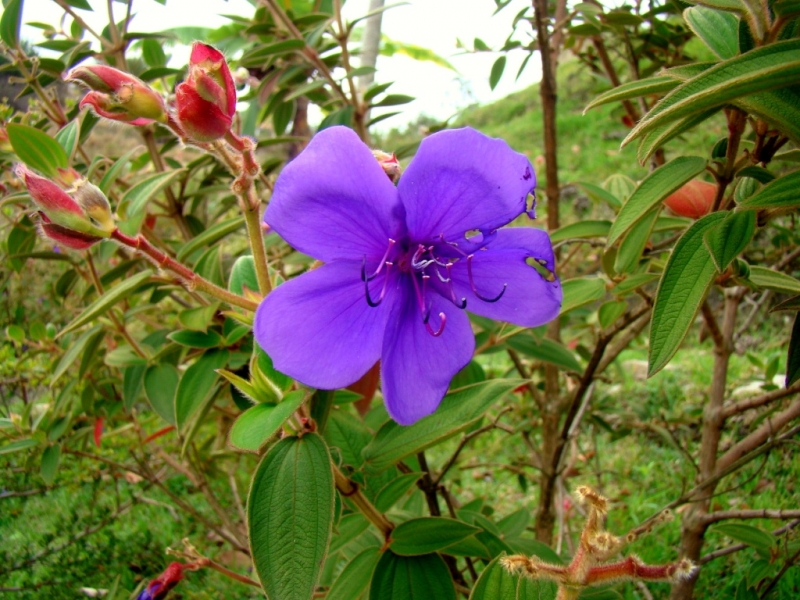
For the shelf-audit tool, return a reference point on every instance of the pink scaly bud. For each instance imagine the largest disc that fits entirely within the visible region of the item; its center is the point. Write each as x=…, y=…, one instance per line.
x=160, y=587
x=206, y=101
x=119, y=96
x=46, y=194
x=63, y=236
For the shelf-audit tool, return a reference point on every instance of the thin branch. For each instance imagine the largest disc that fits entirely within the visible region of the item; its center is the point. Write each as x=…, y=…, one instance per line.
x=737, y=547
x=765, y=513
x=734, y=408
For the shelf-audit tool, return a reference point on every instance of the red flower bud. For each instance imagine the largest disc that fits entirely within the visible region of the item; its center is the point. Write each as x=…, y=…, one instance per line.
x=389, y=164
x=160, y=587
x=206, y=101
x=695, y=199
x=63, y=236
x=120, y=96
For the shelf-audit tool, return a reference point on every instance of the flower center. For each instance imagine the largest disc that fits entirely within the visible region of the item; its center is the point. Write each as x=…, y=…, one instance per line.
x=429, y=267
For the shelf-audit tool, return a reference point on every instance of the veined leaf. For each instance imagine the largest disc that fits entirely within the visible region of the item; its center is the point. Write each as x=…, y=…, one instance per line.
x=290, y=515
x=764, y=68
x=134, y=202
x=683, y=287
x=783, y=192
x=114, y=171
x=581, y=291
x=729, y=5
x=581, y=229
x=545, y=350
x=719, y=30
x=10, y=23
x=405, y=577
x=457, y=411
x=773, y=280
x=106, y=301
x=495, y=583
x=35, y=148
x=160, y=384
x=729, y=239
x=210, y=235
x=634, y=243
x=428, y=534
x=259, y=423
x=355, y=577
x=634, y=89
x=653, y=189
x=74, y=350
x=68, y=137
x=599, y=194
x=669, y=130
x=196, y=384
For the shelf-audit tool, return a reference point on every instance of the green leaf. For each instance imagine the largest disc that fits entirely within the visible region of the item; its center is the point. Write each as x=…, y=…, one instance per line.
x=783, y=192
x=394, y=100
x=243, y=275
x=747, y=534
x=355, y=577
x=196, y=339
x=599, y=194
x=349, y=435
x=653, y=189
x=457, y=412
x=667, y=131
x=793, y=358
x=729, y=239
x=258, y=424
x=133, y=204
x=18, y=445
x=633, y=245
x=290, y=515
x=394, y=490
x=764, y=68
x=728, y=5
x=581, y=229
x=495, y=583
x=719, y=30
x=634, y=89
x=196, y=384
x=684, y=284
x=259, y=55
x=160, y=384
x=153, y=53
x=497, y=71
x=428, y=534
x=114, y=171
x=10, y=23
x=35, y=148
x=581, y=291
x=198, y=319
x=609, y=312
x=50, y=459
x=68, y=137
x=376, y=89
x=349, y=528
x=545, y=350
x=773, y=280
x=633, y=282
x=210, y=235
x=16, y=333
x=107, y=300
x=406, y=577
x=132, y=383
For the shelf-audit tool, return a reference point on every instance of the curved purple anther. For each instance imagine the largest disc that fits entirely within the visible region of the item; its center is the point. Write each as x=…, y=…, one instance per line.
x=475, y=289
x=370, y=301
x=443, y=317
x=383, y=261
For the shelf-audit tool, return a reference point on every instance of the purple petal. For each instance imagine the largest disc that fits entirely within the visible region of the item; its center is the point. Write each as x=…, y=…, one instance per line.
x=529, y=299
x=417, y=367
x=461, y=180
x=334, y=201
x=319, y=329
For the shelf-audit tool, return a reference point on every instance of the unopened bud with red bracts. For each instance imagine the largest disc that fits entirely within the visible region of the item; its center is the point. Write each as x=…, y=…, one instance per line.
x=206, y=101
x=389, y=164
x=161, y=586
x=65, y=219
x=694, y=199
x=120, y=96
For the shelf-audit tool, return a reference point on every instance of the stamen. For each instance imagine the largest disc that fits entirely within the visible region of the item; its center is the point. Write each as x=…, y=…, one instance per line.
x=415, y=259
x=475, y=289
x=443, y=317
x=370, y=301
x=463, y=304
x=380, y=264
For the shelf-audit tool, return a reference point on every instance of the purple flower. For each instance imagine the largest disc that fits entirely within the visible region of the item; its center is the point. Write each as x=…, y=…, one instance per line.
x=402, y=263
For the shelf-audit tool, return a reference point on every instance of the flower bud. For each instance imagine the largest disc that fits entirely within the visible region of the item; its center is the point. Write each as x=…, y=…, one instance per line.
x=63, y=218
x=694, y=199
x=389, y=164
x=160, y=587
x=206, y=101
x=120, y=96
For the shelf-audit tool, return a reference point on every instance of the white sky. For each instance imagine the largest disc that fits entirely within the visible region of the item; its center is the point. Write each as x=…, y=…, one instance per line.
x=433, y=24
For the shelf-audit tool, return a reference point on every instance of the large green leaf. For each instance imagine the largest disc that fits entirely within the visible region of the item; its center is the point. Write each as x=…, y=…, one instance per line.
x=729, y=239
x=634, y=89
x=719, y=30
x=290, y=515
x=776, y=281
x=580, y=291
x=107, y=300
x=747, y=534
x=653, y=189
x=196, y=384
x=10, y=23
x=133, y=204
x=457, y=412
x=683, y=287
x=355, y=577
x=410, y=577
x=37, y=149
x=495, y=583
x=764, y=68
x=210, y=235
x=783, y=192
x=653, y=140
x=428, y=534
x=160, y=385
x=634, y=243
x=394, y=490
x=259, y=423
x=545, y=350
